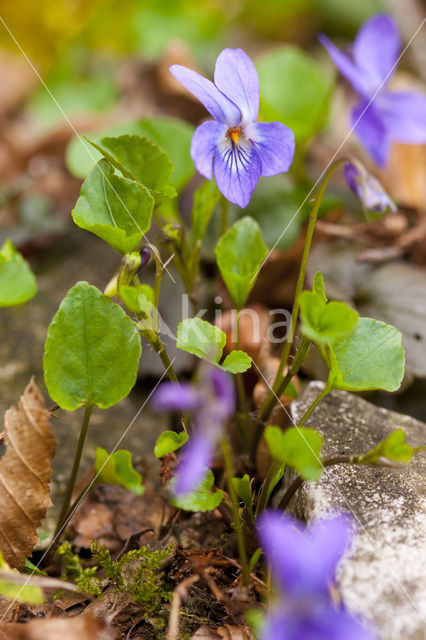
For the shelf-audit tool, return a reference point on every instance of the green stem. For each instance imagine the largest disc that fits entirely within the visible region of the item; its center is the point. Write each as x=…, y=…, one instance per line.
x=157, y=284
x=328, y=387
x=74, y=472
x=268, y=405
x=160, y=349
x=224, y=211
x=263, y=496
x=229, y=469
x=302, y=272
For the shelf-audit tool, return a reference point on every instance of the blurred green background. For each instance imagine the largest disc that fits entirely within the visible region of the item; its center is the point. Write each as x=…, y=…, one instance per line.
x=75, y=43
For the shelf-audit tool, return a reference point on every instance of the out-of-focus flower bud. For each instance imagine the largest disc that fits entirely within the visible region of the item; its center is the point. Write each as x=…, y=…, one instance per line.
x=374, y=199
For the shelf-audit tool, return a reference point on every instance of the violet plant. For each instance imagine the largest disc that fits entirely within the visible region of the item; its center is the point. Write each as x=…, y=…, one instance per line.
x=381, y=116
x=93, y=345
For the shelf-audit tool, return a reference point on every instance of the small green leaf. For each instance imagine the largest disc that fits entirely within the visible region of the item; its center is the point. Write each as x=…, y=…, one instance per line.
x=168, y=442
x=318, y=287
x=202, y=499
x=116, y=209
x=206, y=198
x=324, y=323
x=116, y=468
x=372, y=357
x=201, y=338
x=306, y=110
x=243, y=488
x=92, y=351
x=17, y=282
x=299, y=448
x=29, y=567
x=237, y=362
x=240, y=254
x=141, y=159
x=19, y=592
x=206, y=341
x=139, y=300
x=255, y=558
x=393, y=447
x=274, y=481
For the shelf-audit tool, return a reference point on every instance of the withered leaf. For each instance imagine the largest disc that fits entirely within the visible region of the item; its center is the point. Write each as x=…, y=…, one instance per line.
x=83, y=627
x=24, y=475
x=227, y=632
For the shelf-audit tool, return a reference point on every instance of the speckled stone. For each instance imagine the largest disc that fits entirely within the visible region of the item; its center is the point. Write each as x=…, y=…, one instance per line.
x=383, y=577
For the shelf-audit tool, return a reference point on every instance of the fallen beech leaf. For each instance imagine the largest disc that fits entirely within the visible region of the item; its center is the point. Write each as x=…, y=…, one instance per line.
x=24, y=475
x=83, y=627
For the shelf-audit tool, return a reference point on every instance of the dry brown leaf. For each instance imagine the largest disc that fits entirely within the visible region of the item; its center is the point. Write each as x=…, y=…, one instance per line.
x=227, y=632
x=24, y=475
x=83, y=627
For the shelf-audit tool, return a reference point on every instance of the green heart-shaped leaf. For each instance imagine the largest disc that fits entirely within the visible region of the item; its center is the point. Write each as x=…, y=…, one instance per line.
x=116, y=209
x=325, y=322
x=202, y=499
x=240, y=254
x=237, y=362
x=168, y=442
x=206, y=341
x=116, y=468
x=92, y=351
x=372, y=357
x=298, y=447
x=141, y=159
x=201, y=338
x=393, y=447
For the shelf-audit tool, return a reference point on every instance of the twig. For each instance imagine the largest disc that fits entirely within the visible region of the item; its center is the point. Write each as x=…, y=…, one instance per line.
x=180, y=594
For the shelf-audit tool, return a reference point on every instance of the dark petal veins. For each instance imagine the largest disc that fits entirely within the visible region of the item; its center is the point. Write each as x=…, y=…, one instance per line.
x=275, y=145
x=237, y=170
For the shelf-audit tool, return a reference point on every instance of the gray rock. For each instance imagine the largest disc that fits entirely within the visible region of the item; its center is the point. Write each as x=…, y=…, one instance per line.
x=383, y=577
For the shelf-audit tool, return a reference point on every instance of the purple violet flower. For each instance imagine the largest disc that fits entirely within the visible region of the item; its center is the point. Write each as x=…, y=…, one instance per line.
x=368, y=189
x=303, y=564
x=211, y=402
x=384, y=116
x=233, y=146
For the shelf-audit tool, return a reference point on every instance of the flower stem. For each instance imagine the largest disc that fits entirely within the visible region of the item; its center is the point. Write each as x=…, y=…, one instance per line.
x=266, y=408
x=74, y=472
x=328, y=387
x=229, y=469
x=301, y=277
x=263, y=496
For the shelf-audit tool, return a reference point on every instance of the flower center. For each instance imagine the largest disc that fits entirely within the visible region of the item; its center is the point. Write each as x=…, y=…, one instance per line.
x=234, y=134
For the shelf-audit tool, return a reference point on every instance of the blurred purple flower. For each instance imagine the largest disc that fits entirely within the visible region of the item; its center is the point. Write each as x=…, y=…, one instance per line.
x=211, y=403
x=368, y=189
x=233, y=146
x=385, y=116
x=303, y=564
